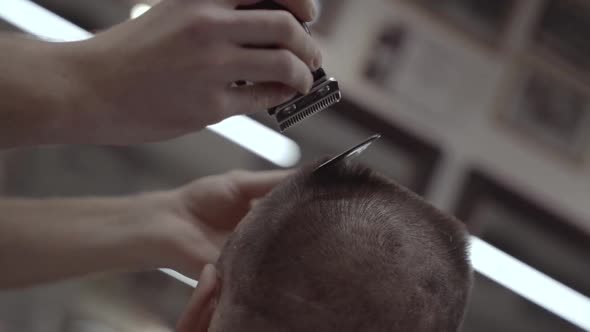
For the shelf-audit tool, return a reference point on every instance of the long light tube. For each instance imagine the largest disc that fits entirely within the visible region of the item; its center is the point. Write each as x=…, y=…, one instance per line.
x=138, y=10
x=487, y=260
x=530, y=283
x=38, y=21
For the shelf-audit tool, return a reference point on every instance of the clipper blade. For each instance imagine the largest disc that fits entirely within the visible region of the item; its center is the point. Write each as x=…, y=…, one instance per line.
x=323, y=95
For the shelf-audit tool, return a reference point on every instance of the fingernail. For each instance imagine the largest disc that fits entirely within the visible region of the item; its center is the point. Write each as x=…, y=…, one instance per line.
x=313, y=10
x=316, y=63
x=307, y=87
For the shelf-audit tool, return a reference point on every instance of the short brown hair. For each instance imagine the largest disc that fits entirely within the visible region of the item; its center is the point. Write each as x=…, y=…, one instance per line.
x=345, y=250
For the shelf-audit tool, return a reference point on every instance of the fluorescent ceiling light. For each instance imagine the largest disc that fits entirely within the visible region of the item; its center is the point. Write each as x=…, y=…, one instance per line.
x=40, y=22
x=249, y=134
x=260, y=140
x=139, y=9
x=530, y=283
x=180, y=277
x=487, y=260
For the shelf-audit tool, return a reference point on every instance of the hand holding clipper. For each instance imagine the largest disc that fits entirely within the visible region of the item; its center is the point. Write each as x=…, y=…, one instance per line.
x=324, y=93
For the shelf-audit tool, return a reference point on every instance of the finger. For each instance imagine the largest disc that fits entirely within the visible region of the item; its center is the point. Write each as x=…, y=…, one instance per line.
x=270, y=66
x=253, y=185
x=305, y=10
x=205, y=321
x=197, y=316
x=262, y=96
x=204, y=253
x=197, y=252
x=277, y=28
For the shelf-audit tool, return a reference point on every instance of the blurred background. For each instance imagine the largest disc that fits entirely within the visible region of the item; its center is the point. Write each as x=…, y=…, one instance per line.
x=485, y=111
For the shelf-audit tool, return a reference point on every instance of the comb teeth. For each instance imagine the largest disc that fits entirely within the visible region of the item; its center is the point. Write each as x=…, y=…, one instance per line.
x=311, y=110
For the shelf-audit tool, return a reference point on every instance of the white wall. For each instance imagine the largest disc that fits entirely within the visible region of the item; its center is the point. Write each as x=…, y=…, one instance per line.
x=467, y=126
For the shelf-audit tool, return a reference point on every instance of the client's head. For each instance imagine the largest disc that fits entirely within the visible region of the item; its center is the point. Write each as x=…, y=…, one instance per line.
x=341, y=250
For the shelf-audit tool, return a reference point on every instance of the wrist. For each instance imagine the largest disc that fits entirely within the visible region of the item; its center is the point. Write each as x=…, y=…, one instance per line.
x=33, y=81
x=71, y=95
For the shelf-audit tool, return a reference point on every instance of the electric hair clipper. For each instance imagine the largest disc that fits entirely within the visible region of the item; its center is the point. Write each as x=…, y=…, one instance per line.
x=324, y=93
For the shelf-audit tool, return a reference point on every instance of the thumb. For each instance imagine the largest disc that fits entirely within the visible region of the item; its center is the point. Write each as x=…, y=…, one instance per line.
x=198, y=314
x=261, y=96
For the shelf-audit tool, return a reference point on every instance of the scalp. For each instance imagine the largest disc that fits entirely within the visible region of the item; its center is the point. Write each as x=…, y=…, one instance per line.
x=348, y=250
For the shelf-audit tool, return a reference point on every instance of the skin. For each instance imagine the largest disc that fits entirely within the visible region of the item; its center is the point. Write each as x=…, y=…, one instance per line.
x=183, y=229
x=157, y=77
x=200, y=310
x=165, y=74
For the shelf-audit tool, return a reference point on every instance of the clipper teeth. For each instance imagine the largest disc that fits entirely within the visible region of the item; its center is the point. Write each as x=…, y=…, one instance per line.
x=311, y=110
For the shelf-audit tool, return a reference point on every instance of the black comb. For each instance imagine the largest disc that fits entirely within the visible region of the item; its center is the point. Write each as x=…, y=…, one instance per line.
x=324, y=93
x=350, y=153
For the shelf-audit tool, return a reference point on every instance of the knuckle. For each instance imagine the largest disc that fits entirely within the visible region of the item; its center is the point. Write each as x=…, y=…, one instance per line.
x=232, y=183
x=204, y=21
x=287, y=64
x=281, y=16
x=288, y=29
x=234, y=179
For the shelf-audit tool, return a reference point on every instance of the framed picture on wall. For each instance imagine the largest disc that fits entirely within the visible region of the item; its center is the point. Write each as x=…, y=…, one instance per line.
x=329, y=12
x=387, y=55
x=525, y=229
x=563, y=34
x=550, y=112
x=483, y=19
x=442, y=79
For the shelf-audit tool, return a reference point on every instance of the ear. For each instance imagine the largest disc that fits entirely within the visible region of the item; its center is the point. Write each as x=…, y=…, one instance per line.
x=197, y=316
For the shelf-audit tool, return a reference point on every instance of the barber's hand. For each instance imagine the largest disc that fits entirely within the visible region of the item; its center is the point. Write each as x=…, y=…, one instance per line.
x=169, y=72
x=199, y=217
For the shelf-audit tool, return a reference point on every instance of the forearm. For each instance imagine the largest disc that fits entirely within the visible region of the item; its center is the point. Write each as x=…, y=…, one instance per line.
x=46, y=240
x=36, y=91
